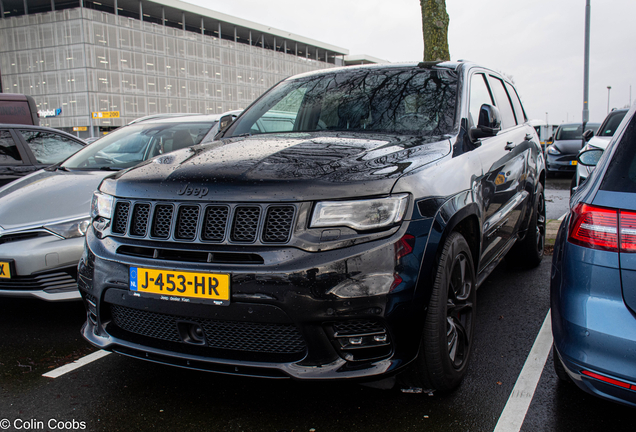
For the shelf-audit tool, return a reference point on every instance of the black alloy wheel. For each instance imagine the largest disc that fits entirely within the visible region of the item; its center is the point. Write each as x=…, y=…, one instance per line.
x=448, y=332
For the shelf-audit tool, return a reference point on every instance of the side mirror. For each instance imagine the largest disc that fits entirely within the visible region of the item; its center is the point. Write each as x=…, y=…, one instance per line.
x=587, y=135
x=550, y=140
x=226, y=121
x=489, y=122
x=590, y=157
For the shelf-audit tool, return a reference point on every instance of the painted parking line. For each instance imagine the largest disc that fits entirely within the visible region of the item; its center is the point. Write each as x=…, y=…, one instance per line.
x=514, y=412
x=76, y=364
x=562, y=217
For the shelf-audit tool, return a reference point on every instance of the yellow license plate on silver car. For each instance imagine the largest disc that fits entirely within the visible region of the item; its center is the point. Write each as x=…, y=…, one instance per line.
x=180, y=285
x=5, y=271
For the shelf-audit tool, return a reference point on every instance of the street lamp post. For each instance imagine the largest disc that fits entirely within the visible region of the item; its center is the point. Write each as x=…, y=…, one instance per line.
x=608, y=97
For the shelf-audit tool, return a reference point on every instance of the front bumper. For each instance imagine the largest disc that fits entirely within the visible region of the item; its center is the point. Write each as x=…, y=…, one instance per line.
x=43, y=267
x=560, y=163
x=593, y=329
x=282, y=320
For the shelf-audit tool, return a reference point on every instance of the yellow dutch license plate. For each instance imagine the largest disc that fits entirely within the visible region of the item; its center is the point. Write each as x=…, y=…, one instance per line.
x=180, y=285
x=5, y=271
x=573, y=162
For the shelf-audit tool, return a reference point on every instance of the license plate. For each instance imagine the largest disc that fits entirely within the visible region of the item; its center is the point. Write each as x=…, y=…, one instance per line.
x=5, y=270
x=180, y=285
x=573, y=162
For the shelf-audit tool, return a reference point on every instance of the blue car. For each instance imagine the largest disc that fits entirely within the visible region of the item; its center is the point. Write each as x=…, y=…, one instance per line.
x=593, y=278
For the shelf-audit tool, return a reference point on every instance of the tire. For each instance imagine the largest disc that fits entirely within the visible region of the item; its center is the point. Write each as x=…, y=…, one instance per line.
x=559, y=368
x=528, y=252
x=447, y=337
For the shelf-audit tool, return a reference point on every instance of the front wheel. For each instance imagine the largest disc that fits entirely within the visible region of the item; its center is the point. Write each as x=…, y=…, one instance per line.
x=447, y=338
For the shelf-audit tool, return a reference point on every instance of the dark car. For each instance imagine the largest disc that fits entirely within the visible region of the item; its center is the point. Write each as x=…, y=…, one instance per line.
x=338, y=229
x=25, y=149
x=593, y=282
x=568, y=141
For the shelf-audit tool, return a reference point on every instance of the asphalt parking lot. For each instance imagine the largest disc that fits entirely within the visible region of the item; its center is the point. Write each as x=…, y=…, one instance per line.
x=117, y=393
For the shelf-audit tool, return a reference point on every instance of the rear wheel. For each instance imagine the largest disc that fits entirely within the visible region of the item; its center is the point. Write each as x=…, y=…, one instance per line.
x=448, y=332
x=529, y=252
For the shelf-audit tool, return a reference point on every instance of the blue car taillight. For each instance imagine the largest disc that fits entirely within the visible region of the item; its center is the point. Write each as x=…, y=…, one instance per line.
x=598, y=228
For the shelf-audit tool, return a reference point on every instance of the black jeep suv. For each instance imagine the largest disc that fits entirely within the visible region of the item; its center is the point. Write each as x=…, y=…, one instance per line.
x=338, y=229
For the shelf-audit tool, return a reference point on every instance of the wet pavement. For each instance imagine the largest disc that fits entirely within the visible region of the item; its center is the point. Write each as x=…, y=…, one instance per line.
x=557, y=196
x=117, y=393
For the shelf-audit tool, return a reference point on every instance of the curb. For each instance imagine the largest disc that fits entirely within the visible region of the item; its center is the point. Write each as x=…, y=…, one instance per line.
x=551, y=230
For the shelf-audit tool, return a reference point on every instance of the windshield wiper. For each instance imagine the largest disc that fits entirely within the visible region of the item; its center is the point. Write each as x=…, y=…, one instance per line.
x=109, y=168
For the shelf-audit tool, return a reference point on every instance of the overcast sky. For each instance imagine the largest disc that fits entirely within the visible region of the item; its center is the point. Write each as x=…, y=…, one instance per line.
x=538, y=43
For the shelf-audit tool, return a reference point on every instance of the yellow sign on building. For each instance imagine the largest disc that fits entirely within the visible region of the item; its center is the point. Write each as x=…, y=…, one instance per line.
x=80, y=128
x=106, y=114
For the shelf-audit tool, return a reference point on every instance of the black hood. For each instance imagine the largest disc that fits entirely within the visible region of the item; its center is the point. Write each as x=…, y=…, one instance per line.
x=288, y=167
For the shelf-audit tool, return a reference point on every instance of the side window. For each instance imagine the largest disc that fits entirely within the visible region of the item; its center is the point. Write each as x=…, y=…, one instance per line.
x=282, y=116
x=48, y=147
x=479, y=95
x=503, y=103
x=516, y=104
x=9, y=154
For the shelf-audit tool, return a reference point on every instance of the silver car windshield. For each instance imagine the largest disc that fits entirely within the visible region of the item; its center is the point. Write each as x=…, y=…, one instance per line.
x=130, y=145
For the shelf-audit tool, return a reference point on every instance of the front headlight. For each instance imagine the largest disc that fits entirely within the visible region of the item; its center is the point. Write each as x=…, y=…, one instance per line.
x=360, y=214
x=102, y=205
x=70, y=229
x=553, y=150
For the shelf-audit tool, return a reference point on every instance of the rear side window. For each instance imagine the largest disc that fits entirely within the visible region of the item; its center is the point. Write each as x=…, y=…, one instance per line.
x=516, y=104
x=9, y=154
x=48, y=147
x=503, y=103
x=621, y=172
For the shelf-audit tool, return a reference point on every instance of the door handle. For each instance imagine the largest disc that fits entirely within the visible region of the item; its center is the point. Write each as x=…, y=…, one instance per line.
x=529, y=137
x=510, y=145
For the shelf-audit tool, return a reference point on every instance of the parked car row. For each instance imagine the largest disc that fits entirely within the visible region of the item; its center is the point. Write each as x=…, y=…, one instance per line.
x=44, y=215
x=337, y=229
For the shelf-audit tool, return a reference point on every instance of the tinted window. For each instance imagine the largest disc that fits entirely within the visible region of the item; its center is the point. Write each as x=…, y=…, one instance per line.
x=394, y=100
x=479, y=95
x=9, y=154
x=48, y=147
x=503, y=103
x=621, y=172
x=16, y=112
x=611, y=124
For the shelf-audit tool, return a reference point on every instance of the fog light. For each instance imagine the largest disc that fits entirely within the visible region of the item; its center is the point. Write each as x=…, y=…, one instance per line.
x=355, y=341
x=379, y=338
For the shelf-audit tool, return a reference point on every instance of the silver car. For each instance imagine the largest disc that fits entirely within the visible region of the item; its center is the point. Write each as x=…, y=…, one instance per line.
x=44, y=216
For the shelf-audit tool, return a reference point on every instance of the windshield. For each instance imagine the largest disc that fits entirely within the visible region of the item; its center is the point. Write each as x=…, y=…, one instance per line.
x=412, y=101
x=573, y=132
x=611, y=124
x=130, y=145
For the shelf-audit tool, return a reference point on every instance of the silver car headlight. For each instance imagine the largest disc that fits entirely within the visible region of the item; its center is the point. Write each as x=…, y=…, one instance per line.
x=360, y=214
x=553, y=150
x=70, y=229
x=101, y=205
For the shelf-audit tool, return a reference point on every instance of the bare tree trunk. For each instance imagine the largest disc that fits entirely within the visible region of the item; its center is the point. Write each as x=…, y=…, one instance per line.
x=435, y=29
